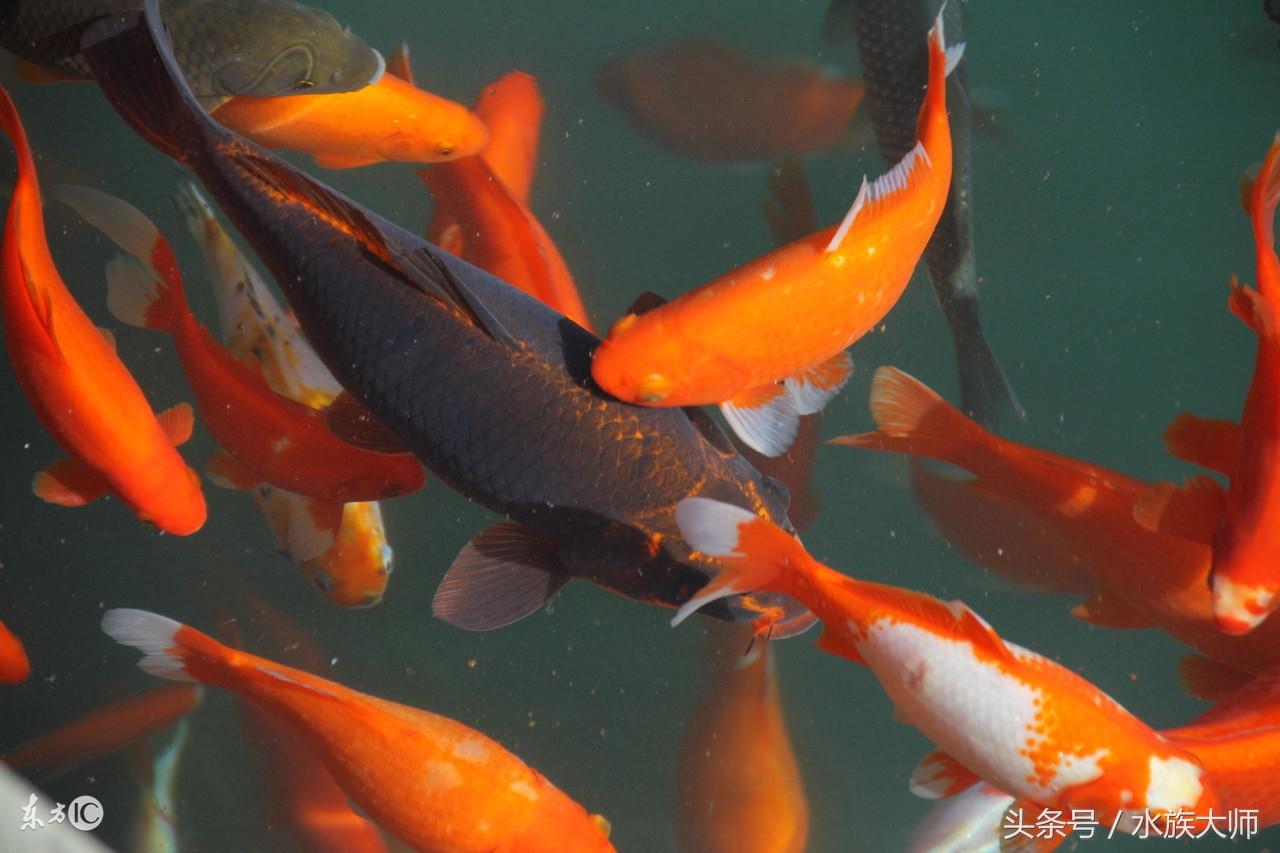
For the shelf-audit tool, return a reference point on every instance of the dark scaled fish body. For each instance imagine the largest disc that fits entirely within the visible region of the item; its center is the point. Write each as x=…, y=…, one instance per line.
x=259, y=48
x=489, y=387
x=891, y=37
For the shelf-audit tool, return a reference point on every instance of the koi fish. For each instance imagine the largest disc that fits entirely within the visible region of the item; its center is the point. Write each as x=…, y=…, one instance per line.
x=712, y=102
x=767, y=341
x=80, y=390
x=156, y=829
x=430, y=781
x=996, y=711
x=1246, y=544
x=738, y=787
x=265, y=437
x=389, y=120
x=895, y=70
x=490, y=388
x=1141, y=577
x=105, y=730
x=259, y=48
x=354, y=560
x=14, y=664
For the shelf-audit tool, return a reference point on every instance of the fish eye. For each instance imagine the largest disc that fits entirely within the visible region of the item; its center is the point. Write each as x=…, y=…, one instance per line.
x=445, y=150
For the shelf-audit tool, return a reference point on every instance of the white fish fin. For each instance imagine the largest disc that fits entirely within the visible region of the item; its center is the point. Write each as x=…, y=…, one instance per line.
x=153, y=635
x=764, y=418
x=846, y=223
x=131, y=290
x=811, y=390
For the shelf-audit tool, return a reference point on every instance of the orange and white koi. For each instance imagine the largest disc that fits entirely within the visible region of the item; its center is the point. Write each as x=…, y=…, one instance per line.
x=434, y=783
x=767, y=340
x=265, y=437
x=996, y=711
x=70, y=374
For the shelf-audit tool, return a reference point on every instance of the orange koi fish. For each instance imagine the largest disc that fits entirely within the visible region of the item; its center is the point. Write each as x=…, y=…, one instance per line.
x=14, y=664
x=739, y=789
x=81, y=391
x=341, y=548
x=1246, y=542
x=1141, y=577
x=996, y=711
x=767, y=341
x=106, y=730
x=432, y=782
x=388, y=120
x=265, y=437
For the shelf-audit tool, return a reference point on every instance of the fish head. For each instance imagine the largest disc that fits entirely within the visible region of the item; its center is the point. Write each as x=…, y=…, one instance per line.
x=354, y=572
x=174, y=504
x=641, y=363
x=434, y=129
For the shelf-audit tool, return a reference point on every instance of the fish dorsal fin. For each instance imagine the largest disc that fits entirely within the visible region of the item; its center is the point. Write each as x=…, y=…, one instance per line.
x=1108, y=611
x=41, y=300
x=432, y=275
x=1205, y=678
x=1208, y=442
x=501, y=576
x=178, y=422
x=108, y=336
x=854, y=209
x=979, y=632
x=400, y=63
x=646, y=302
x=350, y=421
x=938, y=775
x=1190, y=511
x=811, y=389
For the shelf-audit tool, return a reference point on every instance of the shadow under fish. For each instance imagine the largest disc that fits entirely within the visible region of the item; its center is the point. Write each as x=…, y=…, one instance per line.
x=489, y=387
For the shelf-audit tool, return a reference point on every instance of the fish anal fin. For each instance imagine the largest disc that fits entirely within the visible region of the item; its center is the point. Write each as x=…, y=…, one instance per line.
x=226, y=471
x=69, y=482
x=501, y=576
x=1205, y=678
x=178, y=422
x=1108, y=611
x=1208, y=442
x=764, y=417
x=1190, y=511
x=938, y=775
x=350, y=421
x=812, y=389
x=646, y=302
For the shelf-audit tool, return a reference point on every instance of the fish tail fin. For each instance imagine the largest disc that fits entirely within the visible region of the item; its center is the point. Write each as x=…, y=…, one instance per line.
x=932, y=127
x=985, y=391
x=144, y=287
x=912, y=419
x=170, y=649
x=754, y=553
x=132, y=60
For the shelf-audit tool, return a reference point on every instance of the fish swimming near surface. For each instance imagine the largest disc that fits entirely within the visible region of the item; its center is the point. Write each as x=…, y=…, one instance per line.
x=894, y=70
x=430, y=781
x=995, y=710
x=766, y=341
x=486, y=385
x=15, y=666
x=256, y=48
x=713, y=102
x=1242, y=523
x=80, y=390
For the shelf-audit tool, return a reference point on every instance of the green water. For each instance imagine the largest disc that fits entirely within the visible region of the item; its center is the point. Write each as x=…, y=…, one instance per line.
x=1106, y=227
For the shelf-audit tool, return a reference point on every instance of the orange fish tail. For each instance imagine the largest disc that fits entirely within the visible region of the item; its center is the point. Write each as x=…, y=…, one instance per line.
x=932, y=120
x=1265, y=197
x=912, y=419
x=170, y=649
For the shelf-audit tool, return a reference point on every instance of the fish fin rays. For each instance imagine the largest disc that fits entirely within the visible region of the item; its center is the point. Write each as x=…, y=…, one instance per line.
x=1190, y=511
x=812, y=389
x=350, y=421
x=938, y=775
x=69, y=482
x=178, y=422
x=1205, y=678
x=979, y=632
x=764, y=418
x=854, y=209
x=310, y=528
x=646, y=302
x=41, y=300
x=133, y=293
x=501, y=576
x=1208, y=442
x=876, y=192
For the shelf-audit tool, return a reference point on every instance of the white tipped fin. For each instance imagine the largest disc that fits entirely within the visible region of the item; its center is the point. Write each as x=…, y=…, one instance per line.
x=899, y=177
x=764, y=418
x=847, y=222
x=955, y=53
x=711, y=526
x=150, y=633
x=131, y=288
x=939, y=775
x=127, y=226
x=811, y=390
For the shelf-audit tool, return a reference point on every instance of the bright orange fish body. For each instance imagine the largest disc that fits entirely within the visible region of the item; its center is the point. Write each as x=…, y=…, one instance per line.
x=81, y=391
x=432, y=782
x=996, y=711
x=389, y=120
x=14, y=664
x=791, y=314
x=1139, y=577
x=1246, y=545
x=266, y=437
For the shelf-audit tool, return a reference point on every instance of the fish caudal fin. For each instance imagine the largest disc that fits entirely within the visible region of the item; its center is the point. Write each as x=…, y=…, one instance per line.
x=985, y=391
x=754, y=553
x=133, y=62
x=912, y=419
x=169, y=648
x=1208, y=442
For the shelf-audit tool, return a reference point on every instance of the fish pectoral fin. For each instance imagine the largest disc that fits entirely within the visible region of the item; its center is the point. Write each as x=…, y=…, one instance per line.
x=764, y=418
x=69, y=482
x=1205, y=678
x=811, y=390
x=226, y=471
x=646, y=302
x=350, y=421
x=178, y=422
x=1254, y=310
x=1108, y=611
x=343, y=161
x=501, y=576
x=938, y=775
x=1208, y=442
x=311, y=528
x=1190, y=511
